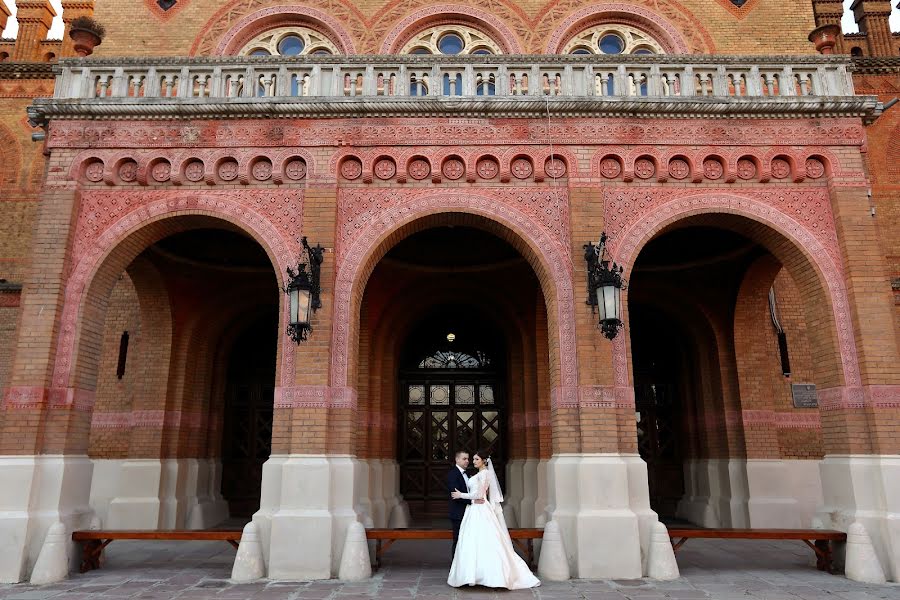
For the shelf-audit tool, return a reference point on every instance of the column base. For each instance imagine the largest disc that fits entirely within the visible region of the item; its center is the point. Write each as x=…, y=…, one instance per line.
x=512, y=495
x=717, y=493
x=526, y=512
x=37, y=491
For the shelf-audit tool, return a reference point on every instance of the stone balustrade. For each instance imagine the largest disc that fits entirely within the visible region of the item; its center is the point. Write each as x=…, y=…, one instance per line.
x=417, y=84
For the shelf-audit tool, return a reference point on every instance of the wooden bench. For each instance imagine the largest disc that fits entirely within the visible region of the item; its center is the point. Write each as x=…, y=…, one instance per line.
x=820, y=540
x=385, y=538
x=93, y=542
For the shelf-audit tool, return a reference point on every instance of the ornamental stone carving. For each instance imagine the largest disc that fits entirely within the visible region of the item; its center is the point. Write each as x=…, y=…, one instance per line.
x=262, y=170
x=94, y=171
x=161, y=171
x=679, y=168
x=644, y=168
x=385, y=168
x=487, y=168
x=781, y=169
x=295, y=170
x=351, y=169
x=746, y=169
x=228, y=170
x=610, y=167
x=453, y=168
x=128, y=171
x=521, y=168
x=713, y=169
x=554, y=168
x=815, y=169
x=419, y=169
x=194, y=171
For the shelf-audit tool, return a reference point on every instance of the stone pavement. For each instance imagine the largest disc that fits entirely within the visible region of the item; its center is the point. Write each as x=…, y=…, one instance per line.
x=719, y=569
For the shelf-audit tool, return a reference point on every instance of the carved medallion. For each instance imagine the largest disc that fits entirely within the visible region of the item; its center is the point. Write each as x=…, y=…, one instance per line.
x=262, y=170
x=128, y=171
x=746, y=168
x=554, y=168
x=419, y=169
x=453, y=168
x=679, y=168
x=487, y=168
x=644, y=168
x=610, y=167
x=194, y=171
x=161, y=171
x=385, y=168
x=351, y=169
x=713, y=169
x=228, y=170
x=815, y=169
x=94, y=171
x=295, y=169
x=781, y=168
x=521, y=168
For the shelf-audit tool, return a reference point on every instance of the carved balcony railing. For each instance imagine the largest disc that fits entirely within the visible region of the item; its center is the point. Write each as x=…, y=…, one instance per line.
x=396, y=85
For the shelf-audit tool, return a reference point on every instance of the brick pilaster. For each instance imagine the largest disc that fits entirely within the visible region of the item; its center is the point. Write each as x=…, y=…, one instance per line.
x=830, y=12
x=5, y=14
x=72, y=9
x=35, y=18
x=872, y=17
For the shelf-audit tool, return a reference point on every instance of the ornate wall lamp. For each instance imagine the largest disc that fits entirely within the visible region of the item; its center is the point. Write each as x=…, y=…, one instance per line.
x=605, y=285
x=303, y=291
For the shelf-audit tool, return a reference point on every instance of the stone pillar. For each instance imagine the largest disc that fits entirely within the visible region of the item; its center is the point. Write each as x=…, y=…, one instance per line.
x=861, y=467
x=72, y=9
x=872, y=17
x=35, y=18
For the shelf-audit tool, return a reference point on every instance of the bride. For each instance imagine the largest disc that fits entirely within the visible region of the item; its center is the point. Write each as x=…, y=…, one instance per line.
x=484, y=554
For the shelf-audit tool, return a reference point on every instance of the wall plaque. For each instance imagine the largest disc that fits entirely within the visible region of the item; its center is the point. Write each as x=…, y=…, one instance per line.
x=804, y=395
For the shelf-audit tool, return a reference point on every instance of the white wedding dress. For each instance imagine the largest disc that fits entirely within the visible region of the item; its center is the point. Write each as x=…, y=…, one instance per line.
x=484, y=553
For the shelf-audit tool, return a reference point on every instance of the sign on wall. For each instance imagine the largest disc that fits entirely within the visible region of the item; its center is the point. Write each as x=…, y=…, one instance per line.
x=804, y=395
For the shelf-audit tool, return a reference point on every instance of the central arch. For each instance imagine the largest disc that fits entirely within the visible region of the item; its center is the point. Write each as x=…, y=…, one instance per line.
x=545, y=252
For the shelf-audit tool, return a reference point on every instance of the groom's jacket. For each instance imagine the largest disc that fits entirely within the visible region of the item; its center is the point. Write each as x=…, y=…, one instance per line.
x=455, y=481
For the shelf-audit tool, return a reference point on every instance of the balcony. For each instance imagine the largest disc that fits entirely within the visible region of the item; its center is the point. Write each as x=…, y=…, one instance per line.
x=470, y=86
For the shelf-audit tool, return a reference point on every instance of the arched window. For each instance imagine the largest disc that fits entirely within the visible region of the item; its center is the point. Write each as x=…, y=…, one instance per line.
x=451, y=40
x=449, y=359
x=612, y=39
x=290, y=41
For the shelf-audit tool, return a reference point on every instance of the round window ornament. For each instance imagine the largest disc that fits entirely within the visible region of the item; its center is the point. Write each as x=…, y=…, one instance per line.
x=128, y=171
x=521, y=168
x=611, y=43
x=554, y=168
x=262, y=170
x=94, y=171
x=610, y=167
x=161, y=171
x=781, y=169
x=644, y=168
x=385, y=168
x=419, y=169
x=351, y=169
x=815, y=168
x=295, y=169
x=679, y=168
x=746, y=169
x=453, y=168
x=291, y=45
x=193, y=172
x=228, y=170
x=487, y=168
x=451, y=43
x=713, y=169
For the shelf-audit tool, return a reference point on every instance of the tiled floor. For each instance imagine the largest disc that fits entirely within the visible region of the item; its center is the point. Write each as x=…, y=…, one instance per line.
x=724, y=570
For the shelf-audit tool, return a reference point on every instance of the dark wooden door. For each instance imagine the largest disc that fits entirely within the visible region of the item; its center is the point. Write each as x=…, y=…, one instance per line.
x=440, y=414
x=657, y=420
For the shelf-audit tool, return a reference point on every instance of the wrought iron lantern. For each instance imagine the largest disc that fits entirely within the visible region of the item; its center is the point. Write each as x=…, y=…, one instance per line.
x=303, y=291
x=605, y=285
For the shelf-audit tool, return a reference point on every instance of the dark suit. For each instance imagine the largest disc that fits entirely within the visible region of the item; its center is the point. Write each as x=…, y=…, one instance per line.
x=455, y=481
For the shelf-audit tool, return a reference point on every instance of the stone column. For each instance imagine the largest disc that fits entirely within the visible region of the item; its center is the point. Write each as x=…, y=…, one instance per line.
x=35, y=18
x=872, y=17
x=72, y=9
x=861, y=469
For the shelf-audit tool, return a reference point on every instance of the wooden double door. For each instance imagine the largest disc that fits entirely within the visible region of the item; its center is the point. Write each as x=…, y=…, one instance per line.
x=440, y=414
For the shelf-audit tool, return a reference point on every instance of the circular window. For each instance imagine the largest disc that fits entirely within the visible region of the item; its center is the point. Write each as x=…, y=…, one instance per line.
x=611, y=44
x=451, y=44
x=290, y=45
x=260, y=52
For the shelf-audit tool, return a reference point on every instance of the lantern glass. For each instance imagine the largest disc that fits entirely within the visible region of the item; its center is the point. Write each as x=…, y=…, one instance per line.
x=300, y=305
x=609, y=299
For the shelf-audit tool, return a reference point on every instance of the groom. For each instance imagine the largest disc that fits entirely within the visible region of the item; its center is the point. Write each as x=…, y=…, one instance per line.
x=458, y=480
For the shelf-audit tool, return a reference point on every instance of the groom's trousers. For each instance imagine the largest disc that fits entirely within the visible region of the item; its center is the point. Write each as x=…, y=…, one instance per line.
x=456, y=523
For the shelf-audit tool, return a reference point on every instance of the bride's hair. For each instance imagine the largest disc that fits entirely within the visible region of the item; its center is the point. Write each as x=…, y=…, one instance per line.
x=482, y=455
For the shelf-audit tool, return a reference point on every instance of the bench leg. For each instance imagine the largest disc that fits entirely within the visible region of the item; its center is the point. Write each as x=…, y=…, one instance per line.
x=90, y=554
x=824, y=556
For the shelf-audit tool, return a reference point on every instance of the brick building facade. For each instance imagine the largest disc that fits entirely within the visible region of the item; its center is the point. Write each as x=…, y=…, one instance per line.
x=453, y=160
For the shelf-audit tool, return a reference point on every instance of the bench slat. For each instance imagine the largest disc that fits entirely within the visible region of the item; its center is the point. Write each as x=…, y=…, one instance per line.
x=440, y=534
x=760, y=534
x=171, y=534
